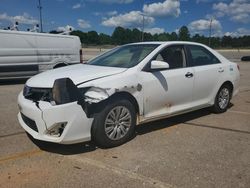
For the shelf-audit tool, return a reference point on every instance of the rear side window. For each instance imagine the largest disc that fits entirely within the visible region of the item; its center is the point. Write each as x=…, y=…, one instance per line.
x=173, y=55
x=201, y=56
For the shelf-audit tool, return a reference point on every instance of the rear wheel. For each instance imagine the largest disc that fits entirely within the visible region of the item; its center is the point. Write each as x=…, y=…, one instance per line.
x=222, y=99
x=115, y=124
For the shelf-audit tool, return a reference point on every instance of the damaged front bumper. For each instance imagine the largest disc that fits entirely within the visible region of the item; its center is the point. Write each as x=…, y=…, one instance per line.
x=64, y=123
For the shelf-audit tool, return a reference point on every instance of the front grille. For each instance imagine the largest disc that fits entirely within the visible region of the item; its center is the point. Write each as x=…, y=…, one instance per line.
x=37, y=94
x=29, y=122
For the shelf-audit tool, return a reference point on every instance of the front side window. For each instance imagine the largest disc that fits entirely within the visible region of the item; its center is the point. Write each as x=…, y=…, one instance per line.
x=124, y=56
x=173, y=55
x=201, y=56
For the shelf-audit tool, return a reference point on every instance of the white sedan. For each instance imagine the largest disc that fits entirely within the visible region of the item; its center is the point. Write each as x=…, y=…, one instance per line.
x=104, y=99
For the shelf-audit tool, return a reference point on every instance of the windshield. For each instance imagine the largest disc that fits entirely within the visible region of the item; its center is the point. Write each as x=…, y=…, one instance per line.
x=124, y=56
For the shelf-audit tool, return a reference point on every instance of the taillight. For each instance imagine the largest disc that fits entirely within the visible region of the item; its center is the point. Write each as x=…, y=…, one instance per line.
x=81, y=56
x=238, y=67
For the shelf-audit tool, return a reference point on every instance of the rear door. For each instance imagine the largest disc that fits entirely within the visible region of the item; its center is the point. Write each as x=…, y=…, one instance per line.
x=208, y=71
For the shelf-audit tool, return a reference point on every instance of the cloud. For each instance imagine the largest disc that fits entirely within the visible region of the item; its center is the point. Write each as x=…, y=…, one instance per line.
x=112, y=13
x=83, y=24
x=166, y=8
x=199, y=26
x=65, y=28
x=238, y=32
x=155, y=30
x=76, y=6
x=237, y=10
x=25, y=18
x=131, y=19
x=243, y=31
x=4, y=16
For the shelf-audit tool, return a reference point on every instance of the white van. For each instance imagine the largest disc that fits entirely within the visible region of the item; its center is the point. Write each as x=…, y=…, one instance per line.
x=23, y=54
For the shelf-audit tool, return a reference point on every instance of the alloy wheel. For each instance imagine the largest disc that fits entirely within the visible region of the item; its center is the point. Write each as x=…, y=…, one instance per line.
x=118, y=122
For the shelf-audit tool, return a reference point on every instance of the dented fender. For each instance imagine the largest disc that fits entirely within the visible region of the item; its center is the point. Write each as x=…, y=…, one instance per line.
x=97, y=94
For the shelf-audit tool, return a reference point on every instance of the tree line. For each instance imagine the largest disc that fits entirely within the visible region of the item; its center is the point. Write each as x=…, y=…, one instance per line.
x=122, y=35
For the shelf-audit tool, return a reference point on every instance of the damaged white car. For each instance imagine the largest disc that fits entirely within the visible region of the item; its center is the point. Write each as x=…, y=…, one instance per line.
x=106, y=98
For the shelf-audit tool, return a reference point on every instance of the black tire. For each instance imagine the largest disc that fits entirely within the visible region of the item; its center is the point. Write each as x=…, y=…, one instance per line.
x=99, y=135
x=60, y=65
x=217, y=107
x=245, y=58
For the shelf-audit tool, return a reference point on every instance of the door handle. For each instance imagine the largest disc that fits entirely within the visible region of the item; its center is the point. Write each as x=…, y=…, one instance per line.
x=221, y=70
x=189, y=75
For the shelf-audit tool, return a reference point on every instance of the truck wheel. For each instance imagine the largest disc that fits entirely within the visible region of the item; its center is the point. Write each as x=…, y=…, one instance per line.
x=59, y=65
x=222, y=99
x=115, y=124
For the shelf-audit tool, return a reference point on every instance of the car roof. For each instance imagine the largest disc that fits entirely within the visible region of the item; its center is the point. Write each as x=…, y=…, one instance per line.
x=169, y=42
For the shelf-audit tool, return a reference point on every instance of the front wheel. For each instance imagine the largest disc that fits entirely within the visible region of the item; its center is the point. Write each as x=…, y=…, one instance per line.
x=222, y=99
x=115, y=124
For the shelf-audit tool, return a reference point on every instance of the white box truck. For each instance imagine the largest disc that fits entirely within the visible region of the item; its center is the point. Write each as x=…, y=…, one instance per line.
x=23, y=54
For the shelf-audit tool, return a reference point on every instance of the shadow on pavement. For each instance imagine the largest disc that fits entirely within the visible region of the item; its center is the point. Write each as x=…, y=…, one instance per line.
x=168, y=122
x=64, y=149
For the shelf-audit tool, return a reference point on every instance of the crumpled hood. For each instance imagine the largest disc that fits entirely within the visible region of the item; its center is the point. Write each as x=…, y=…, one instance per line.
x=77, y=73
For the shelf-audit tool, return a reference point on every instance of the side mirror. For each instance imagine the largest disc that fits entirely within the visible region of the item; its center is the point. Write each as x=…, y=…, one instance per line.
x=159, y=65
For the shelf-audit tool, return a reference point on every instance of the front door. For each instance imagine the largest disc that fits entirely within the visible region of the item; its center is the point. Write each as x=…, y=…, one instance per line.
x=168, y=91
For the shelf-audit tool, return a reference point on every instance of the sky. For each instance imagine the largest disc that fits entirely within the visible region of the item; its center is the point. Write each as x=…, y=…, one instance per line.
x=229, y=17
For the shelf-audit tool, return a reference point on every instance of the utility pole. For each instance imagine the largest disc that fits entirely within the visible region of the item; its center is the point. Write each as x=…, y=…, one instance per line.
x=40, y=12
x=142, y=35
x=143, y=23
x=210, y=31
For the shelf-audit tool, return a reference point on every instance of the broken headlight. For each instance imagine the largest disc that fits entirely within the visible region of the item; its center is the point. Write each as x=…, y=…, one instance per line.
x=37, y=94
x=65, y=91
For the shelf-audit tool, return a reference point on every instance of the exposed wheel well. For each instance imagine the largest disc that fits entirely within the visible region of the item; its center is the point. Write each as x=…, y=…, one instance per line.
x=98, y=107
x=125, y=95
x=229, y=84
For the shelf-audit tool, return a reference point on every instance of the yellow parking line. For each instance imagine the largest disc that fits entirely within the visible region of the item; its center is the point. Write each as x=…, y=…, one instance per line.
x=122, y=172
x=20, y=155
x=12, y=134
